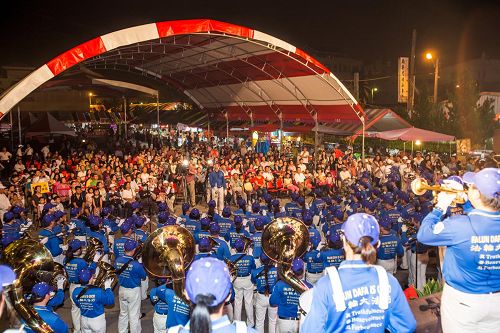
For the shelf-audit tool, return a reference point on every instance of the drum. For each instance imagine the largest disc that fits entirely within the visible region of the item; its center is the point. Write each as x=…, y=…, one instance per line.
x=305, y=302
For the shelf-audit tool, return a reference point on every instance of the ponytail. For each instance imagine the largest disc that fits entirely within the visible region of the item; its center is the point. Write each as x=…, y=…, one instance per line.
x=200, y=321
x=367, y=250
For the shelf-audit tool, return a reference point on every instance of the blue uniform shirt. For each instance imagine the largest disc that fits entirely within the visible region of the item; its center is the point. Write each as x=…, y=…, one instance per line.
x=332, y=257
x=80, y=227
x=131, y=277
x=293, y=209
x=314, y=262
x=244, y=265
x=94, y=300
x=257, y=244
x=192, y=225
x=216, y=179
x=12, y=229
x=259, y=278
x=473, y=247
x=51, y=318
x=200, y=234
x=111, y=223
x=54, y=242
x=204, y=255
x=390, y=246
x=317, y=206
x=225, y=224
x=313, y=233
x=287, y=300
x=140, y=235
x=360, y=286
x=178, y=310
x=222, y=249
x=161, y=307
x=74, y=266
x=56, y=300
x=233, y=235
x=118, y=249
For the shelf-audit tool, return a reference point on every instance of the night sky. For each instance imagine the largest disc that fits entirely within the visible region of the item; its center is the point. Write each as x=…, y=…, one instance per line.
x=33, y=32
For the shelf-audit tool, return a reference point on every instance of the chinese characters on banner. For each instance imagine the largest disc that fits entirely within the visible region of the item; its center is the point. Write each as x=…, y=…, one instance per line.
x=403, y=65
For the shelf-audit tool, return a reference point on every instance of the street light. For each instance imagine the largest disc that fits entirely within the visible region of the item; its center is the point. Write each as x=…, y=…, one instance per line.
x=418, y=142
x=429, y=56
x=90, y=100
x=373, y=90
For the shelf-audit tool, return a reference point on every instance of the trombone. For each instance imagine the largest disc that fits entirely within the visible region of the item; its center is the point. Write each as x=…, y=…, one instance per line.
x=419, y=186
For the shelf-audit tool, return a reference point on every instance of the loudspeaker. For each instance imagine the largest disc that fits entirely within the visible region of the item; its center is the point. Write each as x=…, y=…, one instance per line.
x=426, y=312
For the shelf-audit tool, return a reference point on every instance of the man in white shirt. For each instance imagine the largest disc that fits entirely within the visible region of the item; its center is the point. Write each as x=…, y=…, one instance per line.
x=268, y=175
x=19, y=167
x=5, y=156
x=29, y=152
x=4, y=201
x=304, y=156
x=20, y=152
x=45, y=151
x=345, y=175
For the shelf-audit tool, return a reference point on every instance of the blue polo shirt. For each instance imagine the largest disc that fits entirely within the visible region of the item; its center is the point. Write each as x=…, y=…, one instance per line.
x=131, y=277
x=287, y=300
x=178, y=310
x=51, y=318
x=390, y=247
x=94, y=300
x=161, y=307
x=244, y=265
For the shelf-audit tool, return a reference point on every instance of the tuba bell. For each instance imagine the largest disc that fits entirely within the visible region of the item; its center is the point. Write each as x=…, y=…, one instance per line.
x=32, y=263
x=166, y=254
x=283, y=240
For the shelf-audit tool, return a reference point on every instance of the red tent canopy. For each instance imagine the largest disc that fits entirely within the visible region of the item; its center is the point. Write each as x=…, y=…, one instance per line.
x=413, y=134
x=227, y=70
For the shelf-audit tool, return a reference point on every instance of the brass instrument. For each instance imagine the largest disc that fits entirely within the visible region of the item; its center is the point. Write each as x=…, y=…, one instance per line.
x=105, y=270
x=419, y=186
x=94, y=246
x=283, y=240
x=32, y=263
x=166, y=254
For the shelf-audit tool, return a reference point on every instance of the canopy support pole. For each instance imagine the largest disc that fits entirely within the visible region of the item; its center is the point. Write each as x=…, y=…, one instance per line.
x=363, y=139
x=125, y=116
x=281, y=134
x=158, y=117
x=227, y=128
x=404, y=146
x=412, y=148
x=19, y=123
x=11, y=133
x=251, y=119
x=315, y=140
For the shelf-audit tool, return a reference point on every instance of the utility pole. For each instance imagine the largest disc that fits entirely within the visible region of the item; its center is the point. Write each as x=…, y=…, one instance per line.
x=411, y=83
x=356, y=86
x=436, y=78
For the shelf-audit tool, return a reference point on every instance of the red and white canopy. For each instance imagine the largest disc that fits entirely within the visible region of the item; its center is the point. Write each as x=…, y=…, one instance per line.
x=223, y=68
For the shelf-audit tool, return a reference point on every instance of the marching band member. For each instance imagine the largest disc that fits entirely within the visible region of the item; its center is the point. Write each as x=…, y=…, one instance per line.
x=222, y=250
x=256, y=238
x=178, y=309
x=243, y=287
x=205, y=249
x=333, y=253
x=94, y=231
x=235, y=233
x=80, y=229
x=41, y=295
x=471, y=295
x=208, y=286
x=287, y=300
x=91, y=300
x=359, y=296
x=224, y=222
x=51, y=240
x=160, y=307
x=130, y=274
x=314, y=262
x=390, y=247
x=74, y=263
x=264, y=278
x=126, y=229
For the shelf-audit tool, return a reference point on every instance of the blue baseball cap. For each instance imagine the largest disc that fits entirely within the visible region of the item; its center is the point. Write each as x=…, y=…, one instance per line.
x=106, y=211
x=294, y=196
x=126, y=226
x=359, y=225
x=255, y=207
x=208, y=276
x=18, y=210
x=185, y=207
x=74, y=211
x=41, y=289
x=194, y=214
x=307, y=217
x=85, y=275
x=135, y=205
x=275, y=203
x=239, y=244
x=339, y=214
x=238, y=219
x=47, y=220
x=204, y=244
x=389, y=198
x=333, y=236
x=226, y=212
x=139, y=221
x=487, y=181
x=242, y=203
x=205, y=222
x=162, y=207
x=75, y=244
x=94, y=221
x=7, y=276
x=297, y=265
x=214, y=228
x=130, y=245
x=8, y=216
x=385, y=222
x=301, y=200
x=163, y=216
x=212, y=204
x=315, y=240
x=259, y=223
x=171, y=221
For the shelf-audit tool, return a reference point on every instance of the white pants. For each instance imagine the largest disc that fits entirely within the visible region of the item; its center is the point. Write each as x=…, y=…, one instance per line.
x=417, y=271
x=94, y=325
x=463, y=312
x=75, y=310
x=243, y=290
x=288, y=326
x=261, y=306
x=144, y=288
x=218, y=196
x=130, y=310
x=390, y=265
x=229, y=311
x=312, y=278
x=159, y=323
x=406, y=259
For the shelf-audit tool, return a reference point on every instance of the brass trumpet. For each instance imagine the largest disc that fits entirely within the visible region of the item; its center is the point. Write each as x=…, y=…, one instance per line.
x=419, y=186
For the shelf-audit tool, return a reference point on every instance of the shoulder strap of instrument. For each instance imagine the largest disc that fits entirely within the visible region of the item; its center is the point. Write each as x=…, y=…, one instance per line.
x=383, y=281
x=338, y=292
x=241, y=326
